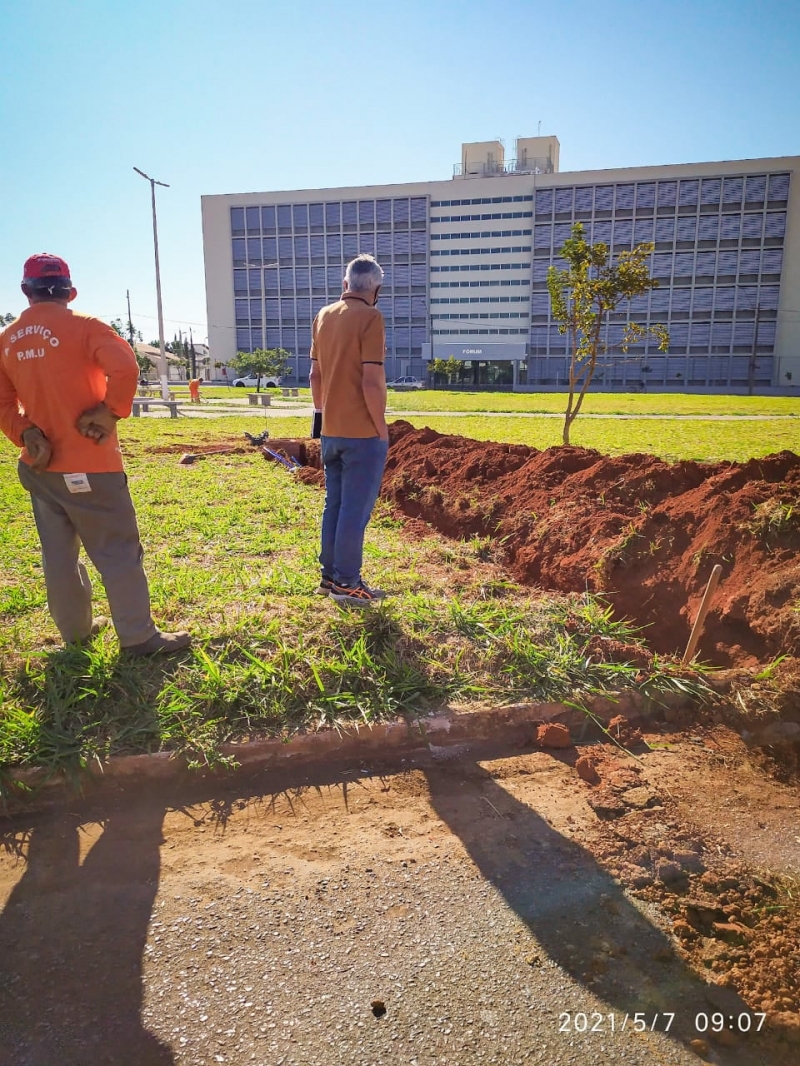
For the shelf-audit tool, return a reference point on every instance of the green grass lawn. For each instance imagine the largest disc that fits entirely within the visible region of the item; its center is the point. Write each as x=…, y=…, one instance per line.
x=231, y=547
x=595, y=403
x=667, y=438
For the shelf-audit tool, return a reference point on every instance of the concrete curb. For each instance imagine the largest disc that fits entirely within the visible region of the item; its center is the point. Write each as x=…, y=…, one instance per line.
x=446, y=735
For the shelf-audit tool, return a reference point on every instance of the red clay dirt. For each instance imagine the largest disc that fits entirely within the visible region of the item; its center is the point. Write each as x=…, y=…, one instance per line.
x=643, y=532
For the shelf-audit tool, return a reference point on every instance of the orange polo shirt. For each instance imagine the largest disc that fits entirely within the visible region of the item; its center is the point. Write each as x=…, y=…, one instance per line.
x=55, y=364
x=345, y=335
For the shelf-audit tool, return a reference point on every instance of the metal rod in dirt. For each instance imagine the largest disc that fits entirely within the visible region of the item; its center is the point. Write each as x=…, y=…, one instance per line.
x=705, y=603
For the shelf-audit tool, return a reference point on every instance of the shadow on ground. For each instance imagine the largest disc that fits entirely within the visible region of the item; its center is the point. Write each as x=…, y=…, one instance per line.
x=72, y=937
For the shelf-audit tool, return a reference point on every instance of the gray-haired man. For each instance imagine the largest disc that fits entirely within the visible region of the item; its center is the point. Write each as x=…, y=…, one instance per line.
x=348, y=385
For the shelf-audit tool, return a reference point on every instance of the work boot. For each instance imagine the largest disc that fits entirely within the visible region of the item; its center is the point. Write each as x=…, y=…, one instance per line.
x=98, y=625
x=160, y=644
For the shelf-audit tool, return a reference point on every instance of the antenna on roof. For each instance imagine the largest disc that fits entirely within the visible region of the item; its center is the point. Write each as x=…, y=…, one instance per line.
x=539, y=128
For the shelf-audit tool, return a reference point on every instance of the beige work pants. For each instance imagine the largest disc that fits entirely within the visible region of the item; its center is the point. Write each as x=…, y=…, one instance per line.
x=104, y=521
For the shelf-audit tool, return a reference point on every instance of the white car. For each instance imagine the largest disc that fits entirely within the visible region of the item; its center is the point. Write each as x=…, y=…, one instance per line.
x=250, y=382
x=406, y=382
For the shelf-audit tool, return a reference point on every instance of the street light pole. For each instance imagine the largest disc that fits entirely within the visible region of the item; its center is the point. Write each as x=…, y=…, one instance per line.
x=162, y=356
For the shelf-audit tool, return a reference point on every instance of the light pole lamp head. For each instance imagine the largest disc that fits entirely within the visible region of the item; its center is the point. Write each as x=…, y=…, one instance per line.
x=152, y=181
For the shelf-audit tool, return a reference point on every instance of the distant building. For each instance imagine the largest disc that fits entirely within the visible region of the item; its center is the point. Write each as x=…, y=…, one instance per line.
x=176, y=366
x=466, y=261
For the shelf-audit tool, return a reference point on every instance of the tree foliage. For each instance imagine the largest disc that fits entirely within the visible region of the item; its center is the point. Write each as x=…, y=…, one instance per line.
x=181, y=348
x=449, y=368
x=582, y=298
x=6, y=320
x=128, y=332
x=145, y=362
x=261, y=363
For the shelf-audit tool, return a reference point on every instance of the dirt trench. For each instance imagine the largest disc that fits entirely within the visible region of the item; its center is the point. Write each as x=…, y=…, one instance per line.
x=643, y=532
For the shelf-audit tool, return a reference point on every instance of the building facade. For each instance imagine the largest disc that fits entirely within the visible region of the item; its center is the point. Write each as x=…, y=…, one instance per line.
x=466, y=263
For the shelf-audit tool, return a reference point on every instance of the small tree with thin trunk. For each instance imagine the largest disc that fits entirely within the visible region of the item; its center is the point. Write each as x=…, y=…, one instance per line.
x=453, y=368
x=261, y=363
x=448, y=368
x=584, y=295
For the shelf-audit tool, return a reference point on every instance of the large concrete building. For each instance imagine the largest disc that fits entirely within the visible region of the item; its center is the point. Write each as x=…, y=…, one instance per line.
x=466, y=262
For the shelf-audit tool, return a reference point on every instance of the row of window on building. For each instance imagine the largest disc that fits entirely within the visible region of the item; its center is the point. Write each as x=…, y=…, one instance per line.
x=481, y=283
x=331, y=214
x=479, y=234
x=485, y=298
x=297, y=340
x=692, y=228
x=484, y=331
x=481, y=200
x=476, y=316
x=289, y=280
x=451, y=268
x=337, y=246
x=513, y=249
x=291, y=307
x=710, y=263
x=481, y=217
x=701, y=298
x=721, y=335
x=753, y=190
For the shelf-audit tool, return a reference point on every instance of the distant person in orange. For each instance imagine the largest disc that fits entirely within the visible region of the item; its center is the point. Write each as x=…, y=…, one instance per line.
x=65, y=381
x=194, y=390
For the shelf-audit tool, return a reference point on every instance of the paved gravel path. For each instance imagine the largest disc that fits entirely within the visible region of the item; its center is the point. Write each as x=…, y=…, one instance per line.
x=264, y=927
x=217, y=410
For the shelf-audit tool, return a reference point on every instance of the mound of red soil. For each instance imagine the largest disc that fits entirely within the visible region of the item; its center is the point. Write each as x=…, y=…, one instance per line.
x=644, y=532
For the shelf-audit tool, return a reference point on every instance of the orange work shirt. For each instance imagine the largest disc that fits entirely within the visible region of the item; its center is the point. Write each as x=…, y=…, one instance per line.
x=345, y=335
x=194, y=388
x=54, y=365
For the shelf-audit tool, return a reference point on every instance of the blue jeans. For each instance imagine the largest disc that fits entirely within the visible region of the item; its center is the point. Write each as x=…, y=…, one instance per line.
x=353, y=472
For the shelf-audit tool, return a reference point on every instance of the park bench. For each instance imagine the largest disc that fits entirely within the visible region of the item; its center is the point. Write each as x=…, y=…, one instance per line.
x=289, y=392
x=140, y=405
x=262, y=398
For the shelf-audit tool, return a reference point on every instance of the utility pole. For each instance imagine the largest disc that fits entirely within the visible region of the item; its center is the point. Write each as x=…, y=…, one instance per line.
x=162, y=352
x=131, y=336
x=751, y=369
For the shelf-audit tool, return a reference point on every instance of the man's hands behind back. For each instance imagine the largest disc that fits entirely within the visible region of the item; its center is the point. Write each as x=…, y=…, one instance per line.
x=98, y=423
x=38, y=448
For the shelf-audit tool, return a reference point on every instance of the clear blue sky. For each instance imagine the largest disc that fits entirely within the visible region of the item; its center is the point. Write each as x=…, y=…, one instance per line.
x=229, y=97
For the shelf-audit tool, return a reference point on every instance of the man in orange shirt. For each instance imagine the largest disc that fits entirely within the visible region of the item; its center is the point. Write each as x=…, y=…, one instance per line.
x=348, y=386
x=65, y=381
x=194, y=390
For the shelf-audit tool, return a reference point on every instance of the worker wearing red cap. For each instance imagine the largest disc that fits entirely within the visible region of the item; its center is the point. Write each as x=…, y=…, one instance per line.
x=65, y=381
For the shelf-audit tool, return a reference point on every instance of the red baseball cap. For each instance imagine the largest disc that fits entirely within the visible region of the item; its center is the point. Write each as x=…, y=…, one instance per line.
x=44, y=266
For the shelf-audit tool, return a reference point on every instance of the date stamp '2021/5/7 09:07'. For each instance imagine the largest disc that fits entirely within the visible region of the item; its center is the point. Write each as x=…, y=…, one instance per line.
x=597, y=1022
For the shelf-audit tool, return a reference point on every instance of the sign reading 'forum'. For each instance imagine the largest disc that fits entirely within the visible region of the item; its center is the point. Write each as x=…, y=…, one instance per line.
x=488, y=352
